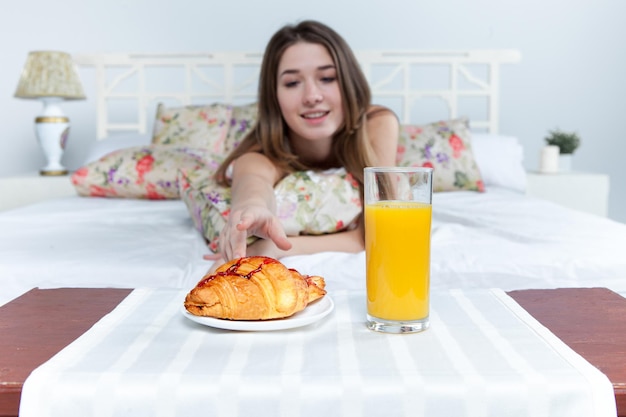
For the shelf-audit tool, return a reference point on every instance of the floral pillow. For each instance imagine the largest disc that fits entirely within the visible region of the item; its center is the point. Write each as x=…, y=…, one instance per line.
x=216, y=127
x=308, y=202
x=148, y=172
x=444, y=146
x=242, y=119
x=189, y=137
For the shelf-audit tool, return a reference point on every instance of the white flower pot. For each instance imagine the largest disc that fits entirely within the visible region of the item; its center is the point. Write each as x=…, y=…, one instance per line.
x=565, y=162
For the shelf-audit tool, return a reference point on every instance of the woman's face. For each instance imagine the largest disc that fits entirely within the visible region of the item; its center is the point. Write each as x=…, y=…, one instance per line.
x=308, y=92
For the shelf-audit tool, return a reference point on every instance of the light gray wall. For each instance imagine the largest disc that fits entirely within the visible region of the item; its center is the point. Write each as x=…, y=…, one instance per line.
x=572, y=73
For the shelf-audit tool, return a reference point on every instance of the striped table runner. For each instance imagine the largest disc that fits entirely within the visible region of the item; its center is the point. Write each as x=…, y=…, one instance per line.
x=482, y=356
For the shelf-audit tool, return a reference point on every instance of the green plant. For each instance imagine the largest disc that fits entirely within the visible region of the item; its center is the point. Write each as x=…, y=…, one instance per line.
x=567, y=142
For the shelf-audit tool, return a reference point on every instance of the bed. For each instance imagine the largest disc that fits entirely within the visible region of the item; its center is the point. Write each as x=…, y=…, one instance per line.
x=142, y=220
x=487, y=234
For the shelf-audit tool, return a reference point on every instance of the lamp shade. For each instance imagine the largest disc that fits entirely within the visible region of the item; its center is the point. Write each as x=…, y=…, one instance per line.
x=49, y=74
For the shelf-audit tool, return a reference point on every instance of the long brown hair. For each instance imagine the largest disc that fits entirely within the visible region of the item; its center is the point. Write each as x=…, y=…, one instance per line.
x=269, y=135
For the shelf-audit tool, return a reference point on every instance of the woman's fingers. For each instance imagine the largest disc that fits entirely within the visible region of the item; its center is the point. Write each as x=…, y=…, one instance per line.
x=233, y=244
x=260, y=223
x=212, y=256
x=278, y=236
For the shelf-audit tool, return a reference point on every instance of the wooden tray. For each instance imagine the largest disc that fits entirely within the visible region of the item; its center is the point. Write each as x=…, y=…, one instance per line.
x=35, y=326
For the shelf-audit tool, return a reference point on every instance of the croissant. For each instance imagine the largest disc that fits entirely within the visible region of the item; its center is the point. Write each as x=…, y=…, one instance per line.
x=253, y=288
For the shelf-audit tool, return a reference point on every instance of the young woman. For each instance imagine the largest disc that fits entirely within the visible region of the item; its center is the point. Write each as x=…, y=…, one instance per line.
x=314, y=113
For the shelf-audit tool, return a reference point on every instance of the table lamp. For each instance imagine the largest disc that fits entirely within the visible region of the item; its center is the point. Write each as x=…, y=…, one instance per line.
x=51, y=77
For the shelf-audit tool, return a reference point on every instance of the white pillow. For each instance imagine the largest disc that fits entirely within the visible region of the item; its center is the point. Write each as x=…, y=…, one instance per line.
x=100, y=148
x=500, y=160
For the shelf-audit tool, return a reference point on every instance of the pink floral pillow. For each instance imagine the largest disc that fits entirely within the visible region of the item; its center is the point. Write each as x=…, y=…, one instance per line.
x=446, y=147
x=216, y=127
x=148, y=172
x=188, y=137
x=308, y=202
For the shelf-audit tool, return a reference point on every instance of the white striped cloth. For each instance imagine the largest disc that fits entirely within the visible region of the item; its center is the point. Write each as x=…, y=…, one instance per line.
x=483, y=356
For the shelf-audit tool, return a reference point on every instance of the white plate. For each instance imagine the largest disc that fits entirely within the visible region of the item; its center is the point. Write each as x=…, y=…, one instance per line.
x=312, y=313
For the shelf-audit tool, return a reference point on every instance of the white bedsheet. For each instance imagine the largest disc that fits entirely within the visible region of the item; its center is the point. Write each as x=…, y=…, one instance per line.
x=98, y=242
x=502, y=239
x=497, y=239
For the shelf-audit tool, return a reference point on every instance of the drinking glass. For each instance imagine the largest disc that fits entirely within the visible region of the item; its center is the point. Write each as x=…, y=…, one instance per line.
x=398, y=211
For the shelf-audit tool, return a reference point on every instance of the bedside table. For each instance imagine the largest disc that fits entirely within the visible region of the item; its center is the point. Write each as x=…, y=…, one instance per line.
x=20, y=190
x=566, y=188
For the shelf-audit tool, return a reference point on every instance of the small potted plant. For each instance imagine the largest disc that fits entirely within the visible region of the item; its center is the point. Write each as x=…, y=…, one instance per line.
x=567, y=142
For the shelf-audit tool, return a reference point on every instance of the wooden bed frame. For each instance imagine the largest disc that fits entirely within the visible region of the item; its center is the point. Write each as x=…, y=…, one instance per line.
x=420, y=86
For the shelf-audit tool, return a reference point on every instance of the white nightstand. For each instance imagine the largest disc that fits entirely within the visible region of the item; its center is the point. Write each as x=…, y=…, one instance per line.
x=578, y=190
x=24, y=189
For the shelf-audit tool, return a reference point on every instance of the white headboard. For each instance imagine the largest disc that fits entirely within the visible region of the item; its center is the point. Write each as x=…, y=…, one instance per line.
x=420, y=86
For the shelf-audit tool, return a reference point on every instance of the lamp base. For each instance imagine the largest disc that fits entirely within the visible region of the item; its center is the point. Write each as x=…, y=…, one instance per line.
x=52, y=132
x=55, y=173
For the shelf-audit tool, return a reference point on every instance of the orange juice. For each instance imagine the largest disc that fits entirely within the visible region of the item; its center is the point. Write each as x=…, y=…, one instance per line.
x=397, y=244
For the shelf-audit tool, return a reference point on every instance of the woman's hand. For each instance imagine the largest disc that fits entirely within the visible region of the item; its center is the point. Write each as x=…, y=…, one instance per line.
x=252, y=206
x=261, y=247
x=250, y=221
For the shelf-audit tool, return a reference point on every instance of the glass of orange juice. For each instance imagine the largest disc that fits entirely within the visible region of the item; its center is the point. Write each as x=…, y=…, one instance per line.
x=398, y=210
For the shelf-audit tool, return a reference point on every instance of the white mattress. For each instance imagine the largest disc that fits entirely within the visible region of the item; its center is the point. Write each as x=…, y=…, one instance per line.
x=502, y=239
x=498, y=239
x=97, y=242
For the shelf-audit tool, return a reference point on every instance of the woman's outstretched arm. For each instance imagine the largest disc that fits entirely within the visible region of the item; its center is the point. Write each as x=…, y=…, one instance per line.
x=253, y=207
